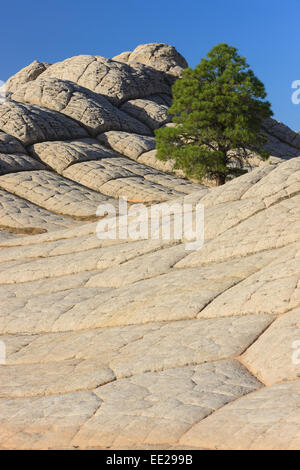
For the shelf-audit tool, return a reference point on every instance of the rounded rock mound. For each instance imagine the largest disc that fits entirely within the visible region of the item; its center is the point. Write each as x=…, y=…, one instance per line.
x=124, y=342
x=157, y=55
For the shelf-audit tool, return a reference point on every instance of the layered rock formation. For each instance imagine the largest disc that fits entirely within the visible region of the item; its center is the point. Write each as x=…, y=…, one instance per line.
x=122, y=343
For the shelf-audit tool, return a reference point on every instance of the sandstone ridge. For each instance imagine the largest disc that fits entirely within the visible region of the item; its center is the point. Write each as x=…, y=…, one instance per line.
x=139, y=344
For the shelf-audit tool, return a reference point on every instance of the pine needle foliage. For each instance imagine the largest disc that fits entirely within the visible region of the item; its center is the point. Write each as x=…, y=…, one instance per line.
x=217, y=109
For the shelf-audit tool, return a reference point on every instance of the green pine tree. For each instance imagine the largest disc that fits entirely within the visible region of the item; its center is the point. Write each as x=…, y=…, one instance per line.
x=218, y=109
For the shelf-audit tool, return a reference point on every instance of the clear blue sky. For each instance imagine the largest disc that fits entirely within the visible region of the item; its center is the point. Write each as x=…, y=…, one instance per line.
x=267, y=32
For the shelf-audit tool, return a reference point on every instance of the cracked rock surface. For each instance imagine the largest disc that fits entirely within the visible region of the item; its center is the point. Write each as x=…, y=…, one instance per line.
x=140, y=343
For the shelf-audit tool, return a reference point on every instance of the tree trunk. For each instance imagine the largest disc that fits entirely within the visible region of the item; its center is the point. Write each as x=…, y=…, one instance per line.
x=220, y=179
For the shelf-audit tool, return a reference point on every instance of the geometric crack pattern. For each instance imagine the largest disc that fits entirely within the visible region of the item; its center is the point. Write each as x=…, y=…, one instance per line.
x=140, y=343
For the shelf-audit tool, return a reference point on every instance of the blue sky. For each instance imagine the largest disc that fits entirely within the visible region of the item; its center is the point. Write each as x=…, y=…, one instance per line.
x=266, y=32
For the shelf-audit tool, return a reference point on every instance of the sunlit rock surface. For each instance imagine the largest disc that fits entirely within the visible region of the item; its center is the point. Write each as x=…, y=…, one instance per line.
x=140, y=343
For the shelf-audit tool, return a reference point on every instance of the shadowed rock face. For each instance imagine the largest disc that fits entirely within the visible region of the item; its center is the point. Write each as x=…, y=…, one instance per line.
x=139, y=344
x=91, y=110
x=27, y=74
